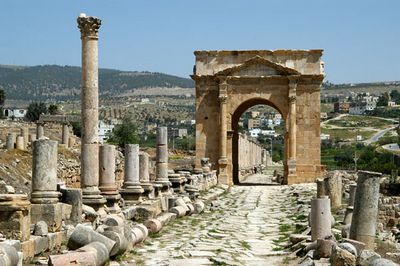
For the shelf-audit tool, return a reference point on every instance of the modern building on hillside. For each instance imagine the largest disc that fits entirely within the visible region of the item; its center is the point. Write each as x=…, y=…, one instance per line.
x=15, y=113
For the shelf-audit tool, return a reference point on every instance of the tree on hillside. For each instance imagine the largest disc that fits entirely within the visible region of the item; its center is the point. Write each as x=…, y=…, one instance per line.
x=35, y=109
x=53, y=109
x=383, y=99
x=2, y=97
x=395, y=96
x=125, y=133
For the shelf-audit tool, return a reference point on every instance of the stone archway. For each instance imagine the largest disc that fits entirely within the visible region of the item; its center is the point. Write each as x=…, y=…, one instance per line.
x=233, y=137
x=288, y=80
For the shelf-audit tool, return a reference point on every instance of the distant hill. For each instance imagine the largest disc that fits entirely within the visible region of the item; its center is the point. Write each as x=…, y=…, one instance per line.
x=53, y=82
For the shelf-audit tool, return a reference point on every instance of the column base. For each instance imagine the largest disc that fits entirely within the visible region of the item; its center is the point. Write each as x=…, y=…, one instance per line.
x=148, y=190
x=92, y=197
x=165, y=184
x=132, y=196
x=112, y=203
x=52, y=214
x=45, y=197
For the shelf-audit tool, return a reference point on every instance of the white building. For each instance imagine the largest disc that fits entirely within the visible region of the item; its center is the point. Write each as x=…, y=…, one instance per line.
x=103, y=129
x=15, y=113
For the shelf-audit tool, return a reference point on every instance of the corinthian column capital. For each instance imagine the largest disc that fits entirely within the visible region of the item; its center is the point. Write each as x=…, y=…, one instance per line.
x=89, y=26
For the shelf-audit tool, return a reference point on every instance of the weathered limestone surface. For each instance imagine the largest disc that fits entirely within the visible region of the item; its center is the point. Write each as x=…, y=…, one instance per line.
x=365, y=213
x=89, y=27
x=131, y=189
x=107, y=183
x=230, y=82
x=15, y=213
x=320, y=218
x=241, y=230
x=44, y=172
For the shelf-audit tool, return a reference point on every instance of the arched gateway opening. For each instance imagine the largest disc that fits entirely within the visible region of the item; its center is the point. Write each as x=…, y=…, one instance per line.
x=229, y=82
x=257, y=128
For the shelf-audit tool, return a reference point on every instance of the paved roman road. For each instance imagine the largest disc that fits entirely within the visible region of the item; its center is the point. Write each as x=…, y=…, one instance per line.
x=247, y=226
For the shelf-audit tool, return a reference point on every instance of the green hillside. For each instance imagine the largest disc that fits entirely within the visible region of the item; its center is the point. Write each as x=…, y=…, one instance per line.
x=53, y=82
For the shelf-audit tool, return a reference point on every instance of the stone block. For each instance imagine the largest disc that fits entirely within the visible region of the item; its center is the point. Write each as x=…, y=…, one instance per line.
x=56, y=240
x=28, y=249
x=15, y=216
x=40, y=243
x=50, y=213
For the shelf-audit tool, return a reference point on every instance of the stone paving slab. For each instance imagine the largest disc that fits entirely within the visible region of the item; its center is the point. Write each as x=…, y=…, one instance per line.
x=241, y=230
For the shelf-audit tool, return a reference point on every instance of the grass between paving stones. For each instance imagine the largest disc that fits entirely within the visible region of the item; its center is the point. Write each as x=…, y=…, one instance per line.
x=245, y=244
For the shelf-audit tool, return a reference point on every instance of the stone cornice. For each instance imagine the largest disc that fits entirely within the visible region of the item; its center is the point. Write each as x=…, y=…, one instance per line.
x=89, y=26
x=258, y=52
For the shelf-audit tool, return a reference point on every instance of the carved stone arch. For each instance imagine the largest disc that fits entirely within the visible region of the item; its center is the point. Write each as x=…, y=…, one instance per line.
x=288, y=80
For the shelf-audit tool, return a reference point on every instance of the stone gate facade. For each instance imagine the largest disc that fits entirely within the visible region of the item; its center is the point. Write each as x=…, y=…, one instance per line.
x=230, y=82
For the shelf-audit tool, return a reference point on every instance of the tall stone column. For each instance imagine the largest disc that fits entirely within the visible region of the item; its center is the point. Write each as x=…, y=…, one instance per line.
x=162, y=159
x=39, y=130
x=365, y=212
x=131, y=190
x=223, y=160
x=292, y=130
x=65, y=134
x=144, y=176
x=89, y=27
x=44, y=172
x=107, y=183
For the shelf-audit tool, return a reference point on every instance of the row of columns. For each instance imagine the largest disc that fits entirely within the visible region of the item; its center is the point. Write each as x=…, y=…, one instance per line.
x=250, y=153
x=21, y=141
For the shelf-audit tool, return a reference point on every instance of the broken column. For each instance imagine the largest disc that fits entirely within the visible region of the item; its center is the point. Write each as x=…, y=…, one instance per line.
x=144, y=176
x=44, y=197
x=25, y=135
x=39, y=130
x=333, y=186
x=10, y=141
x=363, y=224
x=65, y=134
x=162, y=159
x=107, y=183
x=320, y=218
x=19, y=143
x=89, y=27
x=131, y=190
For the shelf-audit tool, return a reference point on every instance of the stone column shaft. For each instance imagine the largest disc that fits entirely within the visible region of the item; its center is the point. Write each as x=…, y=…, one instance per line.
x=107, y=184
x=144, y=176
x=19, y=143
x=162, y=157
x=89, y=27
x=320, y=218
x=365, y=212
x=292, y=129
x=65, y=134
x=39, y=131
x=10, y=141
x=131, y=188
x=44, y=172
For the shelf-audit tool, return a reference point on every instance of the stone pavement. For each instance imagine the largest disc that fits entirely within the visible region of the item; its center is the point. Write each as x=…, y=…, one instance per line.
x=247, y=226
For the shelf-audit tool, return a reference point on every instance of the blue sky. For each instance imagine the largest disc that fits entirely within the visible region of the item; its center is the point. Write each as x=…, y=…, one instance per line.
x=361, y=38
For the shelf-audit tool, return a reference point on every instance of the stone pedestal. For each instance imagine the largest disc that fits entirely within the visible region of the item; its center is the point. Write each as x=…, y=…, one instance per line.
x=51, y=213
x=65, y=134
x=19, y=145
x=178, y=182
x=15, y=216
x=44, y=172
x=73, y=197
x=107, y=183
x=90, y=177
x=365, y=213
x=144, y=176
x=320, y=218
x=131, y=190
x=162, y=159
x=89, y=27
x=10, y=141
